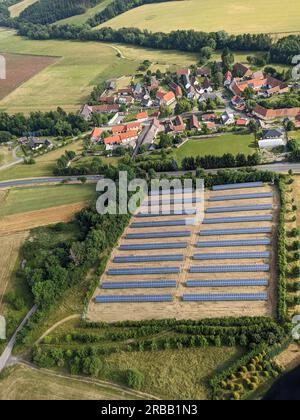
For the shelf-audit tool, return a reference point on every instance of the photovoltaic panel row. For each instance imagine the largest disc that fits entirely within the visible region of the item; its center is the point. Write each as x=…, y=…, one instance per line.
x=149, y=258
x=241, y=196
x=183, y=200
x=247, y=242
x=153, y=284
x=239, y=208
x=171, y=191
x=155, y=235
x=143, y=271
x=183, y=222
x=227, y=283
x=141, y=247
x=168, y=212
x=231, y=256
x=226, y=297
x=133, y=298
x=244, y=219
x=244, y=231
x=231, y=269
x=237, y=186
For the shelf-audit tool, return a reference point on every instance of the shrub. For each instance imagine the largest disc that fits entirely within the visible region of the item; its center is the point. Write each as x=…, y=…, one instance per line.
x=135, y=379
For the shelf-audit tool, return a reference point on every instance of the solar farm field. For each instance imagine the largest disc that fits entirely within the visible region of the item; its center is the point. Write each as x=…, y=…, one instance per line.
x=186, y=267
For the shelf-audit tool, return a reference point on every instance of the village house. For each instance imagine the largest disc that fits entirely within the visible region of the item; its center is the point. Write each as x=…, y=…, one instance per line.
x=227, y=79
x=108, y=99
x=227, y=118
x=242, y=122
x=208, y=117
x=35, y=143
x=211, y=125
x=87, y=110
x=241, y=70
x=272, y=138
x=165, y=98
x=203, y=72
x=125, y=91
x=96, y=134
x=183, y=72
x=267, y=114
x=142, y=116
x=206, y=86
x=149, y=133
x=176, y=125
x=238, y=103
x=194, y=123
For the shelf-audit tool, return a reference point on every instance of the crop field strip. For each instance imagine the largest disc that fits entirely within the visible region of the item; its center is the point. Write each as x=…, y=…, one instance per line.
x=156, y=233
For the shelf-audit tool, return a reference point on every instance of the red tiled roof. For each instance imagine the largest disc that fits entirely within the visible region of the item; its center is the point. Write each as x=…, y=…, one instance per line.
x=112, y=140
x=133, y=125
x=167, y=97
x=208, y=117
x=118, y=129
x=270, y=114
x=96, y=132
x=105, y=108
x=242, y=69
x=182, y=72
x=141, y=115
x=242, y=122
x=128, y=135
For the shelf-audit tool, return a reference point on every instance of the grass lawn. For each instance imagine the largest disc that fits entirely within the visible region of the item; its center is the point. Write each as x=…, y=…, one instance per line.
x=5, y=155
x=218, y=146
x=232, y=16
x=80, y=66
x=42, y=168
x=295, y=135
x=25, y=383
x=17, y=8
x=173, y=374
x=25, y=199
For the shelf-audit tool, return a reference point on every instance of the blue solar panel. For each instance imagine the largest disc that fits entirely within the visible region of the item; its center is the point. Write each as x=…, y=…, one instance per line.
x=227, y=283
x=171, y=191
x=226, y=297
x=241, y=196
x=154, y=235
x=153, y=284
x=237, y=186
x=141, y=247
x=245, y=231
x=230, y=269
x=183, y=222
x=245, y=219
x=231, y=256
x=148, y=258
x=239, y=208
x=183, y=200
x=168, y=212
x=143, y=271
x=247, y=242
x=133, y=298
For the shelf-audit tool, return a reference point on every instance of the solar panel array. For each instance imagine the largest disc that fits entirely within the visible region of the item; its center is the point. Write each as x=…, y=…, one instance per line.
x=226, y=297
x=168, y=212
x=153, y=284
x=149, y=258
x=244, y=219
x=183, y=222
x=171, y=191
x=232, y=256
x=241, y=242
x=230, y=269
x=153, y=235
x=244, y=231
x=151, y=246
x=239, y=208
x=143, y=271
x=186, y=200
x=227, y=283
x=237, y=186
x=133, y=298
x=241, y=196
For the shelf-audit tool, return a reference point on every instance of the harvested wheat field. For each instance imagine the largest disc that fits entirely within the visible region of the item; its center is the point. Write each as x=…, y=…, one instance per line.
x=178, y=308
x=33, y=219
x=10, y=246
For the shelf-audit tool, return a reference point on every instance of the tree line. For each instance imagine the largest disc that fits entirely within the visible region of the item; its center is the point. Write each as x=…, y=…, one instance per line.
x=45, y=11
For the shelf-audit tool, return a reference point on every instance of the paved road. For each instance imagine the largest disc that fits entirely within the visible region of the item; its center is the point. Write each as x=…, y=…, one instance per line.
x=283, y=167
x=9, y=348
x=52, y=180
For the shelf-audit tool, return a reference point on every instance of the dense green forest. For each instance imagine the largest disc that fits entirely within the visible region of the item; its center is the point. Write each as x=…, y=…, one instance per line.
x=45, y=11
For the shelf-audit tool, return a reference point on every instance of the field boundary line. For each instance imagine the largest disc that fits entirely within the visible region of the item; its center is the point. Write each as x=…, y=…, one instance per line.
x=99, y=382
x=57, y=324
